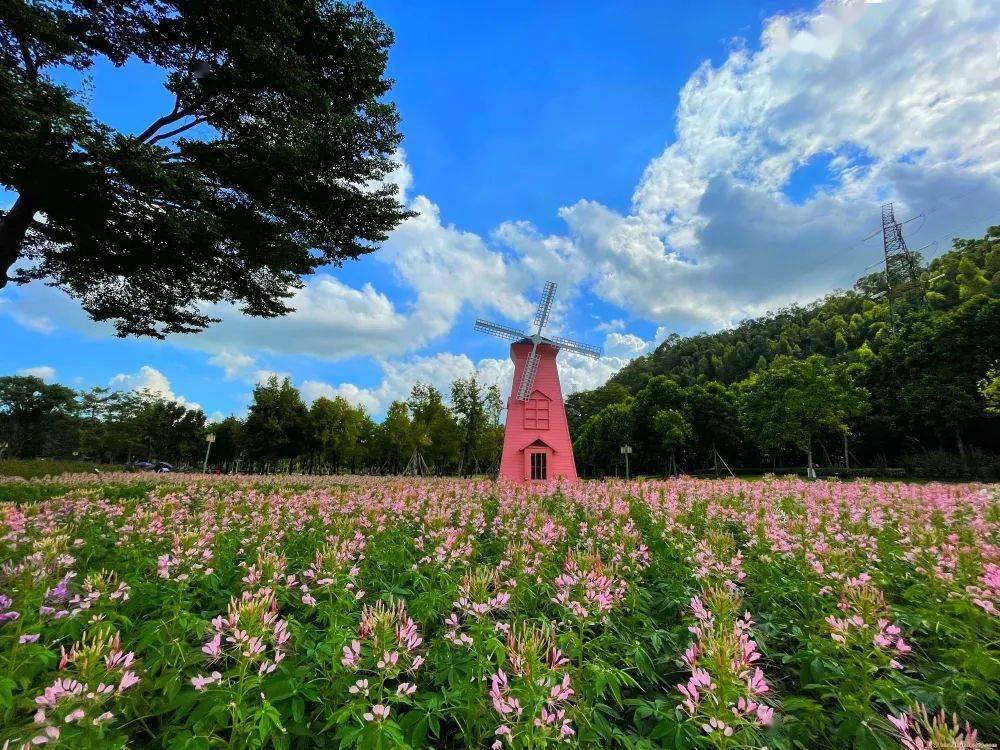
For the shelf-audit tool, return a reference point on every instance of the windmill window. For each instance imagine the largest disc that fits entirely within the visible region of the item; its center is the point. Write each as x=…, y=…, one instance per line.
x=539, y=468
x=536, y=413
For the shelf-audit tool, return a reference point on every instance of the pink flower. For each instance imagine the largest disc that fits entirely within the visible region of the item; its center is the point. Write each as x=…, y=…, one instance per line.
x=214, y=647
x=351, y=654
x=406, y=688
x=378, y=713
x=200, y=683
x=901, y=722
x=765, y=714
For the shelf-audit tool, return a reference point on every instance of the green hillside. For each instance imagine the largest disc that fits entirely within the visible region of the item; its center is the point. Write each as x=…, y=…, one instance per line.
x=927, y=382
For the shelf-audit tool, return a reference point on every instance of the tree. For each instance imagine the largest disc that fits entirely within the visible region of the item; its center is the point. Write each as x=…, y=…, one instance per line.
x=583, y=405
x=673, y=431
x=605, y=432
x=397, y=440
x=788, y=403
x=277, y=422
x=989, y=388
x=935, y=364
x=31, y=413
x=469, y=405
x=713, y=417
x=335, y=429
x=434, y=430
x=271, y=163
x=971, y=281
x=660, y=393
x=229, y=442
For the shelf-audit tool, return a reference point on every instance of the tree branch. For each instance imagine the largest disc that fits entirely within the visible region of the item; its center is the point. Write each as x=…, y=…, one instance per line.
x=14, y=226
x=181, y=129
x=29, y=64
x=174, y=116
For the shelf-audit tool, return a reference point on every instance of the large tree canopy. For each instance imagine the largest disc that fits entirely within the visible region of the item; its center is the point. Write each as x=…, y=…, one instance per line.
x=269, y=163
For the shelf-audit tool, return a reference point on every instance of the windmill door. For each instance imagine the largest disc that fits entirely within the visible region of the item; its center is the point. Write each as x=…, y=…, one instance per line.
x=538, y=462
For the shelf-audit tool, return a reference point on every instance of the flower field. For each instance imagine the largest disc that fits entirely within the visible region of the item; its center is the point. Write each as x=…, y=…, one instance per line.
x=345, y=612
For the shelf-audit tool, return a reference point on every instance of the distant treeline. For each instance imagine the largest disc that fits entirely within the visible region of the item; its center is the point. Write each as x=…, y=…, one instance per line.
x=918, y=388
x=280, y=432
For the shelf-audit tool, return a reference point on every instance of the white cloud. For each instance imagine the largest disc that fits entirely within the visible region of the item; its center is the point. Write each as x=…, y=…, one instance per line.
x=233, y=363
x=262, y=376
x=152, y=380
x=617, y=324
x=44, y=372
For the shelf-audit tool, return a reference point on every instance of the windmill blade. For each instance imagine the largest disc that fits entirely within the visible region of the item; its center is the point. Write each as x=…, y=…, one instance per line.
x=545, y=305
x=503, y=332
x=528, y=375
x=575, y=346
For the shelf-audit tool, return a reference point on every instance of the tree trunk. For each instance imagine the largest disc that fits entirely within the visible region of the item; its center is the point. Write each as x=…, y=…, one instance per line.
x=810, y=472
x=847, y=454
x=961, y=447
x=13, y=228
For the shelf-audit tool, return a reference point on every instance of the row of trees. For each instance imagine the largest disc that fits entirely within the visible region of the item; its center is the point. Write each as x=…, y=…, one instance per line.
x=51, y=420
x=786, y=406
x=280, y=433
x=915, y=385
x=423, y=434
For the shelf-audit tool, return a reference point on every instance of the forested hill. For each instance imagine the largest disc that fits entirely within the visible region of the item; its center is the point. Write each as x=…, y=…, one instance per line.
x=946, y=339
x=834, y=326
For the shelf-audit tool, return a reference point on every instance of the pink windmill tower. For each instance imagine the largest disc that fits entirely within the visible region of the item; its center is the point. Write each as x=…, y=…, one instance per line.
x=536, y=443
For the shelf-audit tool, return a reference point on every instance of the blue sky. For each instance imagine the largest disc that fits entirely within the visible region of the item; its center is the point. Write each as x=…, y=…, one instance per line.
x=674, y=167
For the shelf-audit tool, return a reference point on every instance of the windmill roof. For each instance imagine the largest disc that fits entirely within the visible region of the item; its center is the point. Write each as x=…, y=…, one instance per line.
x=539, y=443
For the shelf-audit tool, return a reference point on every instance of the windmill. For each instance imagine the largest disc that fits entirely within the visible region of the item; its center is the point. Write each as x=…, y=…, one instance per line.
x=536, y=443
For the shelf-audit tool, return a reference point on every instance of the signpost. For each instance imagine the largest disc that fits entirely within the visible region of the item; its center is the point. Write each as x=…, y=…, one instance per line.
x=626, y=449
x=210, y=438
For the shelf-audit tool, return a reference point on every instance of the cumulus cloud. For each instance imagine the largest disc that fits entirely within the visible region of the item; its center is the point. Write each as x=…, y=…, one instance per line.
x=43, y=372
x=233, y=363
x=152, y=380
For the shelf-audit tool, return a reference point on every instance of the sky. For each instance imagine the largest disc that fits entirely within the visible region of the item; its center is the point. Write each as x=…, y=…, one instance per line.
x=673, y=167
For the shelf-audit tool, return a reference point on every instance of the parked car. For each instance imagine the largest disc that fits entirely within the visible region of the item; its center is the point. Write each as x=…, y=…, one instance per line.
x=143, y=465
x=162, y=467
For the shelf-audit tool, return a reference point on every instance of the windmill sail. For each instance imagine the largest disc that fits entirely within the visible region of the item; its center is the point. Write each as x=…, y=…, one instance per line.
x=545, y=305
x=575, y=346
x=528, y=375
x=503, y=332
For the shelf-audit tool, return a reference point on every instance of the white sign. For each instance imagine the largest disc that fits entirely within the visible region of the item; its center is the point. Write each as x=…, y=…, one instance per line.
x=626, y=449
x=210, y=438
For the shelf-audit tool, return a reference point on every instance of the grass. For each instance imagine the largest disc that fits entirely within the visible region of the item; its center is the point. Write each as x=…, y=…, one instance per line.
x=31, y=468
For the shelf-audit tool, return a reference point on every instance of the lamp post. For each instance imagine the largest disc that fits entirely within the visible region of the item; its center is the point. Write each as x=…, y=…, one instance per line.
x=210, y=438
x=626, y=449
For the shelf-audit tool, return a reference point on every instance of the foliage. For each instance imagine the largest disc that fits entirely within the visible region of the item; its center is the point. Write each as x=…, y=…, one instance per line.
x=372, y=613
x=926, y=371
x=271, y=162
x=791, y=400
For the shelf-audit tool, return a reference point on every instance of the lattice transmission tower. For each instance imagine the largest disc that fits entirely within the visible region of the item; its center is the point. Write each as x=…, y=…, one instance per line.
x=902, y=271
